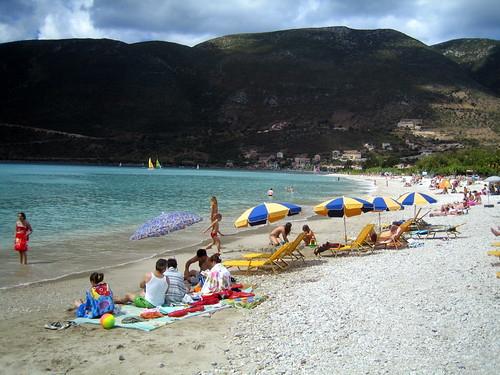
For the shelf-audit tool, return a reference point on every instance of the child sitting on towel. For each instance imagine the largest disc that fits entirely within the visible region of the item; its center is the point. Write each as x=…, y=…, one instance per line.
x=98, y=301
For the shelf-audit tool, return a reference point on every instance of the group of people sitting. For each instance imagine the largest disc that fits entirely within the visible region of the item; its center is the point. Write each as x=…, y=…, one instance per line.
x=164, y=285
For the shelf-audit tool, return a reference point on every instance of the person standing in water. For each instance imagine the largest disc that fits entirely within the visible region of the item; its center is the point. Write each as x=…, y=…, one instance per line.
x=23, y=231
x=270, y=192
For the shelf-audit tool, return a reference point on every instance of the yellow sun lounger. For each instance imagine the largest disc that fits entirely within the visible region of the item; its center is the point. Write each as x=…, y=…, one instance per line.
x=361, y=243
x=254, y=264
x=495, y=253
x=290, y=252
x=496, y=244
x=398, y=241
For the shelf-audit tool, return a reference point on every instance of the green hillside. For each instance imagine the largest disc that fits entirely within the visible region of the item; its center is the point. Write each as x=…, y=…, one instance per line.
x=295, y=91
x=481, y=57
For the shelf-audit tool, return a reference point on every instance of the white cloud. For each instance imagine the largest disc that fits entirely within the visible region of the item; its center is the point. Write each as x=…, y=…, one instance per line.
x=192, y=21
x=67, y=20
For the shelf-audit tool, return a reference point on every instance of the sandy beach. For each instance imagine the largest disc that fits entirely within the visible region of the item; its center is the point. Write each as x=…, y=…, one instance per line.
x=433, y=308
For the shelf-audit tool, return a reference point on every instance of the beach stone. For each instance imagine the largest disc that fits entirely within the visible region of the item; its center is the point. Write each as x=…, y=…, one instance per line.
x=121, y=357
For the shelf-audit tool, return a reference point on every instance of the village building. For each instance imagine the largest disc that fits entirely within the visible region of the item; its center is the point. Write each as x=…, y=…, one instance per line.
x=410, y=124
x=353, y=155
x=386, y=146
x=336, y=154
x=301, y=162
x=369, y=146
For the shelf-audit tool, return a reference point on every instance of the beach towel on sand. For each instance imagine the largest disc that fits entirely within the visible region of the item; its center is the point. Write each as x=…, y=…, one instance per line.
x=129, y=311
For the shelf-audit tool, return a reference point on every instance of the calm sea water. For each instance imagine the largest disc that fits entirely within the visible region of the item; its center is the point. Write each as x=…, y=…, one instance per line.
x=82, y=216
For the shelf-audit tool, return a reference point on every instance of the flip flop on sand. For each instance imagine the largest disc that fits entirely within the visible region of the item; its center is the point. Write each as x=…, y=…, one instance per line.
x=132, y=319
x=59, y=325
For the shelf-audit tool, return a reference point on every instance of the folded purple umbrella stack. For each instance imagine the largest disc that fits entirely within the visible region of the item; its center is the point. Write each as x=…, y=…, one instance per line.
x=165, y=223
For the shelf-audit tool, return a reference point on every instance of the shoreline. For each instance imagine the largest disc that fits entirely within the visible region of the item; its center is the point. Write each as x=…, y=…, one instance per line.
x=75, y=251
x=242, y=240
x=391, y=300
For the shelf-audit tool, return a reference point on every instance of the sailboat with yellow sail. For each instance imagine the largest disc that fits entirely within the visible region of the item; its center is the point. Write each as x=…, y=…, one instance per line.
x=150, y=164
x=158, y=165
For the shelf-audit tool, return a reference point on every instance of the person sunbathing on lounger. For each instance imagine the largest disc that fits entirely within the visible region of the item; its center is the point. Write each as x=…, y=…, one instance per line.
x=388, y=236
x=496, y=231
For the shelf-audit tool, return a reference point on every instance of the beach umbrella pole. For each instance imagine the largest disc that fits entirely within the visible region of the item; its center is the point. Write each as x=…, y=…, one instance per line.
x=345, y=231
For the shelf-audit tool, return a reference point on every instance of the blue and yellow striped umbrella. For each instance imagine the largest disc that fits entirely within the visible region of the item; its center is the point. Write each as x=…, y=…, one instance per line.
x=418, y=199
x=385, y=204
x=266, y=212
x=342, y=207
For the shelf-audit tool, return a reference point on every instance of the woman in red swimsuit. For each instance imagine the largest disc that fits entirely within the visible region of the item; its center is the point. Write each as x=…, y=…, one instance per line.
x=23, y=231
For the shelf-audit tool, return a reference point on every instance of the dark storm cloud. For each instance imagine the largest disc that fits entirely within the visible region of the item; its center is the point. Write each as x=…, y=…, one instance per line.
x=191, y=21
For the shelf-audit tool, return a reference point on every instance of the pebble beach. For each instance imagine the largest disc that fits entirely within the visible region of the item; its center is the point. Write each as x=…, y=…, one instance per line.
x=433, y=308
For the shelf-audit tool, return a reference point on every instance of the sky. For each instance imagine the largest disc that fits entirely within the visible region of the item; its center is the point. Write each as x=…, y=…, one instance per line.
x=190, y=22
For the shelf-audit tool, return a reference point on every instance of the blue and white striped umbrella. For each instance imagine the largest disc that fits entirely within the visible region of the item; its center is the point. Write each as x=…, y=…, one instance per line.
x=165, y=223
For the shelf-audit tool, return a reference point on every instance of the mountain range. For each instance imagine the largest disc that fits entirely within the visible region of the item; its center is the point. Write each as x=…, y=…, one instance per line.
x=304, y=91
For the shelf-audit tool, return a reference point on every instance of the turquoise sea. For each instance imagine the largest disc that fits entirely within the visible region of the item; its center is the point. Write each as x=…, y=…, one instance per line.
x=82, y=216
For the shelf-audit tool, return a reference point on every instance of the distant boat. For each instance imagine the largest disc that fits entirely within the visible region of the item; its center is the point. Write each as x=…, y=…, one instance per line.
x=150, y=164
x=197, y=166
x=158, y=165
